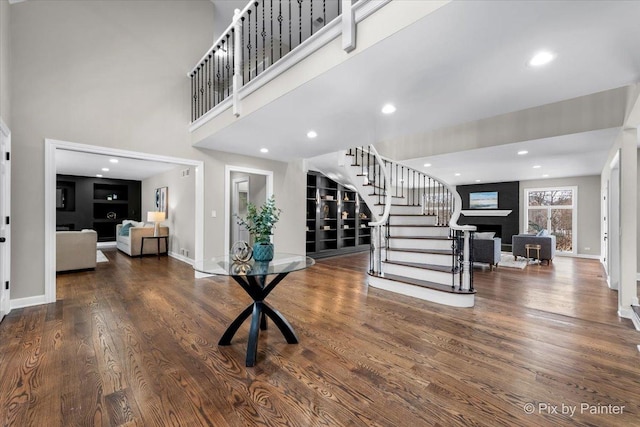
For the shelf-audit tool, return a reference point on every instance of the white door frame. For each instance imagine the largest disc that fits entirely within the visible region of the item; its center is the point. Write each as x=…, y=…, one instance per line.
x=613, y=232
x=51, y=145
x=227, y=194
x=5, y=226
x=235, y=183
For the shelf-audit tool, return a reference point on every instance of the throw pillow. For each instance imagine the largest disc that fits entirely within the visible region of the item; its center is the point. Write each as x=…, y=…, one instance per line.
x=124, y=231
x=485, y=235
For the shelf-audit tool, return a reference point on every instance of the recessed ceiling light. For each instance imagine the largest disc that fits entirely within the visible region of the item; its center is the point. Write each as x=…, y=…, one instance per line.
x=541, y=58
x=477, y=180
x=457, y=174
x=537, y=166
x=113, y=160
x=388, y=109
x=427, y=165
x=312, y=134
x=99, y=175
x=522, y=152
x=264, y=150
x=546, y=175
x=105, y=169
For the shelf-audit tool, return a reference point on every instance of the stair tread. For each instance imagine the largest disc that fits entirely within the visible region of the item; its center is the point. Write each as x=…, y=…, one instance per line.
x=418, y=225
x=423, y=284
x=391, y=214
x=433, y=267
x=424, y=251
x=421, y=238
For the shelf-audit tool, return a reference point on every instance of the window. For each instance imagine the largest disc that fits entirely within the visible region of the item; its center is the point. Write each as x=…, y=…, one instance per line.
x=556, y=210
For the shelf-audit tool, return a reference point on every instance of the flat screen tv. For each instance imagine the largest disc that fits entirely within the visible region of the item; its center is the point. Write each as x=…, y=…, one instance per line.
x=483, y=200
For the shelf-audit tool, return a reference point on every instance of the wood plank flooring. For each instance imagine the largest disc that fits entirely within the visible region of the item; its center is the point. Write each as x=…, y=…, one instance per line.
x=134, y=343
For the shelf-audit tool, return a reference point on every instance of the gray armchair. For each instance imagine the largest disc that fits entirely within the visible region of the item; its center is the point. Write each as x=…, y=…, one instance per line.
x=547, y=246
x=487, y=251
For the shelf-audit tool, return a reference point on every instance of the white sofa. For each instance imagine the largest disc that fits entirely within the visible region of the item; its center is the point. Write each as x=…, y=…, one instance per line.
x=130, y=244
x=76, y=250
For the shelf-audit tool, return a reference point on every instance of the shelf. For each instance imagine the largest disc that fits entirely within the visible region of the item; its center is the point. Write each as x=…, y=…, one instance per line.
x=328, y=240
x=111, y=202
x=107, y=221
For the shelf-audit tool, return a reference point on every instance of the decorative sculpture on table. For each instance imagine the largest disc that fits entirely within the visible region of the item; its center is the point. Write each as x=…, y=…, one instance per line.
x=325, y=211
x=345, y=214
x=241, y=252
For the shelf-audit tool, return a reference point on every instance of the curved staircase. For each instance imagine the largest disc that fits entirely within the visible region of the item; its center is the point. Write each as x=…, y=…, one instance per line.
x=417, y=249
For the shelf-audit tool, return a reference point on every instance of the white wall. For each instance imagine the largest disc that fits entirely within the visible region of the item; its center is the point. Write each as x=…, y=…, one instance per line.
x=588, y=232
x=181, y=202
x=114, y=74
x=5, y=59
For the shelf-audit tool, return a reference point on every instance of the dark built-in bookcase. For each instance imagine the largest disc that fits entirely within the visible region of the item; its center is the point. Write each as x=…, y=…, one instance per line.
x=337, y=218
x=96, y=203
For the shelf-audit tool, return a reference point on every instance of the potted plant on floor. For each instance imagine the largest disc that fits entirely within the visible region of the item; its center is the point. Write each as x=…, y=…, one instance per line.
x=260, y=223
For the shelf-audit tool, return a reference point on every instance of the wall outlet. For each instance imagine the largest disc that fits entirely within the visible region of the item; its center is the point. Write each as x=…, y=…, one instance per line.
x=214, y=214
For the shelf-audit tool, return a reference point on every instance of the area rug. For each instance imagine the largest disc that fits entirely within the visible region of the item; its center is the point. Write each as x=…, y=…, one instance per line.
x=507, y=260
x=100, y=257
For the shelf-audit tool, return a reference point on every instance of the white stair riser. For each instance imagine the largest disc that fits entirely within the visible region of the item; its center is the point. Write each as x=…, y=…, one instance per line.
x=451, y=299
x=411, y=220
x=396, y=231
x=432, y=259
x=444, y=278
x=400, y=243
x=406, y=210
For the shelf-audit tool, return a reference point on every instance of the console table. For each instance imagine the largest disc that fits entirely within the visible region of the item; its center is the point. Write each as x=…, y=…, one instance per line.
x=252, y=277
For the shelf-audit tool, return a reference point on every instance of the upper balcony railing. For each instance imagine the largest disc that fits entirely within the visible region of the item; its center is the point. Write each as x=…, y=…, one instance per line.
x=259, y=36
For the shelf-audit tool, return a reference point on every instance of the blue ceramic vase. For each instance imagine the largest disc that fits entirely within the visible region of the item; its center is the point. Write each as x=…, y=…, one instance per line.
x=263, y=251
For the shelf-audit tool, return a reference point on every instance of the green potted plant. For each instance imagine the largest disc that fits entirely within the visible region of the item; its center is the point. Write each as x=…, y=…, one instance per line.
x=260, y=223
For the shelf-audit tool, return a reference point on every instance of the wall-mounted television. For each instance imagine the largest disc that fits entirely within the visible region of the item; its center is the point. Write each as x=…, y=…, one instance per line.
x=483, y=200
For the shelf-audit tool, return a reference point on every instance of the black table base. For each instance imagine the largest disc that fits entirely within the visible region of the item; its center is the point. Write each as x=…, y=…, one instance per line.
x=259, y=310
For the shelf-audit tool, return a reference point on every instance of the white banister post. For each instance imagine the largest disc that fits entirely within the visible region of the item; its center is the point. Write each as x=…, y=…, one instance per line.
x=237, y=77
x=466, y=274
x=348, y=26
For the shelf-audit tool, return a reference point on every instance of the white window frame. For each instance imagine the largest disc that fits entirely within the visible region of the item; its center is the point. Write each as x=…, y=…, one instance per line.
x=574, y=216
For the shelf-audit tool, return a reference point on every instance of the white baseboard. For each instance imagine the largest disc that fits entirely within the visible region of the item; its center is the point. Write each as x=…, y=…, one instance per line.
x=28, y=302
x=627, y=313
x=586, y=256
x=181, y=258
x=106, y=245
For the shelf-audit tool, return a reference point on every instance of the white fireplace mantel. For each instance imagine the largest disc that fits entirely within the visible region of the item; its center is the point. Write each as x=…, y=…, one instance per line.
x=485, y=212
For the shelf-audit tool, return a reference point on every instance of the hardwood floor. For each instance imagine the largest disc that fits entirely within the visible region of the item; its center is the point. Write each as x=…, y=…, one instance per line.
x=135, y=343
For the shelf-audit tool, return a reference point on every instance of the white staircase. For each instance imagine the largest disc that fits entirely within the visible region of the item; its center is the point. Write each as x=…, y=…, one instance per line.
x=416, y=253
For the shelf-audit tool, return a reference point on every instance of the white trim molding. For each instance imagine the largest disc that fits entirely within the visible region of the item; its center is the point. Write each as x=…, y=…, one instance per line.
x=51, y=145
x=485, y=212
x=28, y=301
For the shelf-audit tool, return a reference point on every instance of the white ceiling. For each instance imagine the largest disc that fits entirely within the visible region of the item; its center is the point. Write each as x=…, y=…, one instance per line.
x=88, y=164
x=465, y=62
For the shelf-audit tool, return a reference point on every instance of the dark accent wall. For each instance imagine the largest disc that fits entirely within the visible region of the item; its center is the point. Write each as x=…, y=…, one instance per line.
x=508, y=199
x=84, y=203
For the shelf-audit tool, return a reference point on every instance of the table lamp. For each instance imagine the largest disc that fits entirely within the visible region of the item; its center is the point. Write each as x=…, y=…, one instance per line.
x=157, y=218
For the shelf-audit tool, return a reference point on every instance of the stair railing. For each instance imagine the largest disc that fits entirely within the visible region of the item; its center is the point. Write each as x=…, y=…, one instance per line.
x=259, y=35
x=410, y=187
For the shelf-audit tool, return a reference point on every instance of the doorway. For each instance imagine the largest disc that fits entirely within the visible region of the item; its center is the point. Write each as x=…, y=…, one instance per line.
x=243, y=186
x=50, y=199
x=613, y=221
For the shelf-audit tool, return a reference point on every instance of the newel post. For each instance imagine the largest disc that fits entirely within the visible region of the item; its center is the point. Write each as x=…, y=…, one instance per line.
x=466, y=264
x=237, y=64
x=348, y=26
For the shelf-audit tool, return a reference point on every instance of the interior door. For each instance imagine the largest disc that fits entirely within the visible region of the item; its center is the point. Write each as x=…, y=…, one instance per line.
x=239, y=201
x=5, y=224
x=614, y=228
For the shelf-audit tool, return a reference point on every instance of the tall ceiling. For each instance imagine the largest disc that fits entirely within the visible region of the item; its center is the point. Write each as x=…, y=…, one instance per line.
x=465, y=62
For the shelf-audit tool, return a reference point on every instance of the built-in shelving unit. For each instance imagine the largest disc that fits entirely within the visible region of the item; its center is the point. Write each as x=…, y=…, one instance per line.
x=336, y=218
x=96, y=203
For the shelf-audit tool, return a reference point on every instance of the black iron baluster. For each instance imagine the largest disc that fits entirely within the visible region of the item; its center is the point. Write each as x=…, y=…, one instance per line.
x=207, y=91
x=324, y=12
x=311, y=18
x=217, y=69
x=249, y=46
x=299, y=22
x=290, y=21
x=361, y=160
x=222, y=69
x=280, y=25
x=271, y=21
x=192, y=101
x=255, y=5
x=264, y=39
x=201, y=95
x=242, y=49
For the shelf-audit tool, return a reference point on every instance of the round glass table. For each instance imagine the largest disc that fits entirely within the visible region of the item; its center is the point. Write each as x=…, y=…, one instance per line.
x=252, y=277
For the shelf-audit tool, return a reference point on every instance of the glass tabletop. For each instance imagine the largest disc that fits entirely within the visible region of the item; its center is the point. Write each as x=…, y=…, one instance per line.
x=281, y=263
